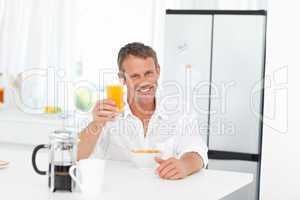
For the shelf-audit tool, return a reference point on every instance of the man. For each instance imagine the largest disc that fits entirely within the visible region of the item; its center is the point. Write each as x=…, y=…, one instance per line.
x=144, y=124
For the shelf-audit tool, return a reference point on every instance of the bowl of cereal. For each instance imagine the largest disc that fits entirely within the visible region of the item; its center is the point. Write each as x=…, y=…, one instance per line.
x=144, y=158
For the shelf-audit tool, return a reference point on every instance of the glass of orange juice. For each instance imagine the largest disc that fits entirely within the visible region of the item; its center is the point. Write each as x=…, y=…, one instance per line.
x=115, y=93
x=1, y=96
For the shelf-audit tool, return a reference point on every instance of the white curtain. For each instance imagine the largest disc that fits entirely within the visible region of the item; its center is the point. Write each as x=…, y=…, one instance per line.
x=34, y=35
x=37, y=33
x=106, y=26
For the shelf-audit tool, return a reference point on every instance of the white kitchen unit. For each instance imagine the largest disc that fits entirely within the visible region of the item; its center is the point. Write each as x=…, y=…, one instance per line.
x=187, y=60
x=223, y=52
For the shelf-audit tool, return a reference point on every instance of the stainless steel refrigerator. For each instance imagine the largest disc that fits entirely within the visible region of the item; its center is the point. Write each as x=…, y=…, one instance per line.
x=216, y=60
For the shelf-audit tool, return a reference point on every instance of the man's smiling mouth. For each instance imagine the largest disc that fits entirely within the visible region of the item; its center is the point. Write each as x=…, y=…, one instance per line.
x=145, y=90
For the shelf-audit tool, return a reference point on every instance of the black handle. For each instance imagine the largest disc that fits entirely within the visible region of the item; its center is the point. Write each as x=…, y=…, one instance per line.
x=33, y=158
x=227, y=155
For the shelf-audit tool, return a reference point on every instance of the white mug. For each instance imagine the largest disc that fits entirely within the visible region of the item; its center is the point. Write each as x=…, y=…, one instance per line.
x=89, y=176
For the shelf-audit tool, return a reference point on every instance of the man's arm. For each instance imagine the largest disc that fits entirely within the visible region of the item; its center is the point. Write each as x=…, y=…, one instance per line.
x=104, y=111
x=192, y=162
x=173, y=168
x=88, y=139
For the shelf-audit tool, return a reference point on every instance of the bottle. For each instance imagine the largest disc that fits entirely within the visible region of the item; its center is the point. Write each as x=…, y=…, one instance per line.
x=1, y=91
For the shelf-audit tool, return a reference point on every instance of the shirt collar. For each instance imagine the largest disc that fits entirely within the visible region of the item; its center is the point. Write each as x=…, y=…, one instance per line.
x=157, y=113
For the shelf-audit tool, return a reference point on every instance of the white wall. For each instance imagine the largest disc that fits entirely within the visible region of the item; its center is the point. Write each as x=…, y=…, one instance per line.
x=281, y=141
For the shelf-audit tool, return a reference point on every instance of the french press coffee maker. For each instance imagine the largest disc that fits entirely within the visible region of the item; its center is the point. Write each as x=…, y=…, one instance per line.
x=62, y=155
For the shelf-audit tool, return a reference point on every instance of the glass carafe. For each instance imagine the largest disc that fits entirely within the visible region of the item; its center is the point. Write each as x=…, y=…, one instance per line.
x=62, y=155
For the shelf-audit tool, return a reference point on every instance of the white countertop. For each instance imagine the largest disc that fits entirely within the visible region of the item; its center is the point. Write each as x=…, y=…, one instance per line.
x=122, y=181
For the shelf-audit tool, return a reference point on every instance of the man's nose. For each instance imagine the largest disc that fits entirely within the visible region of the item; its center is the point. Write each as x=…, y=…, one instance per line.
x=143, y=81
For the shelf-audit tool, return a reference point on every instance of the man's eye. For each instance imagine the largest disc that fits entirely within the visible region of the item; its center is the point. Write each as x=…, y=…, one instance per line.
x=134, y=76
x=148, y=73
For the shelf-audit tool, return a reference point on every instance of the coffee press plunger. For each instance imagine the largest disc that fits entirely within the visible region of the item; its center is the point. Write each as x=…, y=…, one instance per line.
x=62, y=155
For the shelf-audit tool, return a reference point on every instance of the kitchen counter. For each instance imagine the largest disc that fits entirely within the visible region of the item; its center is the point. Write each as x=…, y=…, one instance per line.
x=122, y=181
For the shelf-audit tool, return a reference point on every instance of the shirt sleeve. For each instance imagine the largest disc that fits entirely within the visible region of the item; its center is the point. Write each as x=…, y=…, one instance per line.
x=190, y=139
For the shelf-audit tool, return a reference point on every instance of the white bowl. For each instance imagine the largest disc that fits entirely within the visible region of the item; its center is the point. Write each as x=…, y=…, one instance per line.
x=145, y=158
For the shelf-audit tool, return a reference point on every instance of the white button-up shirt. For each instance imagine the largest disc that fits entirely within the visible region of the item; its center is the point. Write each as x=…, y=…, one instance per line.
x=172, y=135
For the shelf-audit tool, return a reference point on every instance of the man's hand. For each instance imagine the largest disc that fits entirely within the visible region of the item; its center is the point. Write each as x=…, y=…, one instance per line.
x=105, y=110
x=171, y=168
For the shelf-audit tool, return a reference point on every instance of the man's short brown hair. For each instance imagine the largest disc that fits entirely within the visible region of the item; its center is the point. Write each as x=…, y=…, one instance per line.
x=136, y=49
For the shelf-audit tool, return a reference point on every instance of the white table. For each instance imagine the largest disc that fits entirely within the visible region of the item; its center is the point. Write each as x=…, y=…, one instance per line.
x=122, y=181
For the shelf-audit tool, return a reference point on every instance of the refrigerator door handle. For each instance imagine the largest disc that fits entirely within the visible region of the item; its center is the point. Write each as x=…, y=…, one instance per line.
x=226, y=155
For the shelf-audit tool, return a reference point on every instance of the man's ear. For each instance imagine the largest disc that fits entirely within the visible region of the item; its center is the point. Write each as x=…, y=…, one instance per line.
x=121, y=76
x=157, y=69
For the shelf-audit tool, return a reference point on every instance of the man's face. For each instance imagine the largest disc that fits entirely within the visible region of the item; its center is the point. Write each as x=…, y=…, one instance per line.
x=141, y=76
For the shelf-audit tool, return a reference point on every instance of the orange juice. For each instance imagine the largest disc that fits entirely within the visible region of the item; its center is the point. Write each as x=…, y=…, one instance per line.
x=115, y=93
x=1, y=90
x=1, y=95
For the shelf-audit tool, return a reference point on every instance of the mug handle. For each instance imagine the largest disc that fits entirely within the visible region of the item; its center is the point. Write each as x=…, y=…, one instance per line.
x=33, y=158
x=73, y=176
